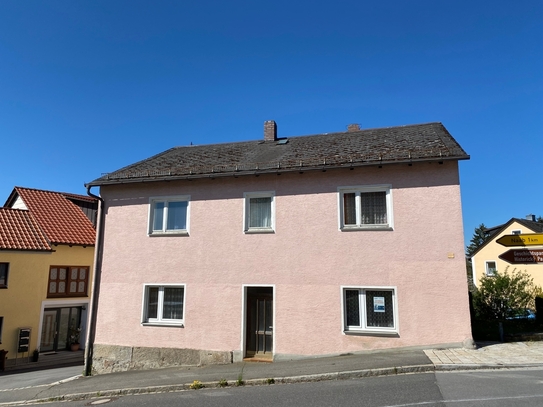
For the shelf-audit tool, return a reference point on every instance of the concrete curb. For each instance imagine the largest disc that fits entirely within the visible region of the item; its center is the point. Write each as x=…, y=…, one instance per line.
x=269, y=381
x=354, y=374
x=489, y=366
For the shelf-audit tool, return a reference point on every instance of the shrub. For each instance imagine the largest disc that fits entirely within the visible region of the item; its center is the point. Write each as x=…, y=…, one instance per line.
x=505, y=295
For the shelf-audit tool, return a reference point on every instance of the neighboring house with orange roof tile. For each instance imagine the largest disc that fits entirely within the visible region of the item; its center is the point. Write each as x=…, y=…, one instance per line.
x=46, y=258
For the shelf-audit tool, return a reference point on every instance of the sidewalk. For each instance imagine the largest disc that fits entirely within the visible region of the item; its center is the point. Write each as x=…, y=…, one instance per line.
x=376, y=363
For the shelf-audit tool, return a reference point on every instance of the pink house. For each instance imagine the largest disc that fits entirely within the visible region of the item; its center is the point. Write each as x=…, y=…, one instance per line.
x=282, y=248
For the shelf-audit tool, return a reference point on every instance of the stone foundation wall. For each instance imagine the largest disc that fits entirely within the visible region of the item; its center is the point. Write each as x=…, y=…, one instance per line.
x=114, y=358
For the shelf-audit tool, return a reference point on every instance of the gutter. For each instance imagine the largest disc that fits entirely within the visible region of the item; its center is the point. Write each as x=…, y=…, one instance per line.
x=257, y=171
x=96, y=272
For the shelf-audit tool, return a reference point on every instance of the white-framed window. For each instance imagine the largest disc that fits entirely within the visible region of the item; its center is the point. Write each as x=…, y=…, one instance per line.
x=516, y=232
x=490, y=268
x=163, y=304
x=169, y=215
x=259, y=212
x=365, y=208
x=370, y=310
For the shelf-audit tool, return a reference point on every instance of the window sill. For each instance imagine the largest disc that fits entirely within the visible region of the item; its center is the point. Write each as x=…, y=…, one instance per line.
x=258, y=230
x=67, y=296
x=176, y=233
x=366, y=332
x=365, y=228
x=162, y=323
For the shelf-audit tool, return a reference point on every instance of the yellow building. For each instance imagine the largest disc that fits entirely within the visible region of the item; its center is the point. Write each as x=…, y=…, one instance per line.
x=492, y=255
x=46, y=258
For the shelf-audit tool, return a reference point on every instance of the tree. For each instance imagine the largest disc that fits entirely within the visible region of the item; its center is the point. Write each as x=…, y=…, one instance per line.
x=505, y=295
x=479, y=237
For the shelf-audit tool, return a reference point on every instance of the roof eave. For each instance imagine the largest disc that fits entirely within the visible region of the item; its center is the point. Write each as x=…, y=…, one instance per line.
x=302, y=168
x=72, y=244
x=22, y=249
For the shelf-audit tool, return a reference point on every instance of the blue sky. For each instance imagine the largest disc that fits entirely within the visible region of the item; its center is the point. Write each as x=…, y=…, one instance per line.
x=87, y=87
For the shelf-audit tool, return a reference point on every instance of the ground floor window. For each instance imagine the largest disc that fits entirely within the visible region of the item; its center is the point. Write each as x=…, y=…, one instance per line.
x=491, y=268
x=163, y=304
x=370, y=309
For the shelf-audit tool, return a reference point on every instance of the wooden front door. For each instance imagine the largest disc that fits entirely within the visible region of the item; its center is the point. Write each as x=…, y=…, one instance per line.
x=259, y=327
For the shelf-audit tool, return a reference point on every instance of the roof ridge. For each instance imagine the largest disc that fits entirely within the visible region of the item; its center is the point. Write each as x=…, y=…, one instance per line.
x=292, y=137
x=53, y=192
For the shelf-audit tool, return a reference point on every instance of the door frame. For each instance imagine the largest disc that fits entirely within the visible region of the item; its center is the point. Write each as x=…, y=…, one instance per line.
x=244, y=312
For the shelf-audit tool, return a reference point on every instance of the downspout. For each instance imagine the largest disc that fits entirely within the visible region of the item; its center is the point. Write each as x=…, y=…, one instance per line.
x=96, y=272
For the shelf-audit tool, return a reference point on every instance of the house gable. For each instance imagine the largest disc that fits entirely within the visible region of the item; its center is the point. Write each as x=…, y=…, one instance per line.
x=488, y=254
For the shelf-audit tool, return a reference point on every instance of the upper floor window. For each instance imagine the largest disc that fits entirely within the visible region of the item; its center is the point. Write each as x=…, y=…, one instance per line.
x=4, y=268
x=163, y=304
x=370, y=309
x=259, y=212
x=490, y=268
x=65, y=281
x=362, y=208
x=516, y=232
x=169, y=215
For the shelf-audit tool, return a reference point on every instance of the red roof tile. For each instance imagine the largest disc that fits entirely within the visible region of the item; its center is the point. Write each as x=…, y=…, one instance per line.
x=19, y=231
x=60, y=219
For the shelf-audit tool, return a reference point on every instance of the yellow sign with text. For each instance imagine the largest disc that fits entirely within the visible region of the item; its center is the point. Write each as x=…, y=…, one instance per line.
x=528, y=239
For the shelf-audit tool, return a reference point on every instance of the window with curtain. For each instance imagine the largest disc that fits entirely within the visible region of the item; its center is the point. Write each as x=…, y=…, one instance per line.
x=164, y=304
x=491, y=268
x=169, y=215
x=370, y=309
x=259, y=212
x=365, y=208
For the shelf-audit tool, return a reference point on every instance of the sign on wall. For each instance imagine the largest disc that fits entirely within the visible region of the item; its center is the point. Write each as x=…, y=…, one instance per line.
x=528, y=239
x=523, y=256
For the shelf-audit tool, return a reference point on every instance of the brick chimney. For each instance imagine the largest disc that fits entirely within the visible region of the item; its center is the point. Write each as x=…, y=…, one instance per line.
x=353, y=127
x=270, y=130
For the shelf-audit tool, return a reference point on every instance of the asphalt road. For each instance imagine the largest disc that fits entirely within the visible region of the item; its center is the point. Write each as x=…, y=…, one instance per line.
x=459, y=389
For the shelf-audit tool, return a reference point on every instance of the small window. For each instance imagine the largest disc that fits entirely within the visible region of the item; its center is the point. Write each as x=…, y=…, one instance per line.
x=259, y=212
x=370, y=310
x=67, y=281
x=163, y=305
x=516, y=232
x=4, y=268
x=169, y=215
x=363, y=208
x=490, y=268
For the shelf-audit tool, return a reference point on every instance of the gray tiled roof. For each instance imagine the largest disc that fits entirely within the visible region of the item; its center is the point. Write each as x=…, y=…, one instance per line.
x=421, y=142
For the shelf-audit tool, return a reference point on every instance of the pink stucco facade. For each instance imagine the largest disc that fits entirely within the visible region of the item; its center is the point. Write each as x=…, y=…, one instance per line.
x=307, y=261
